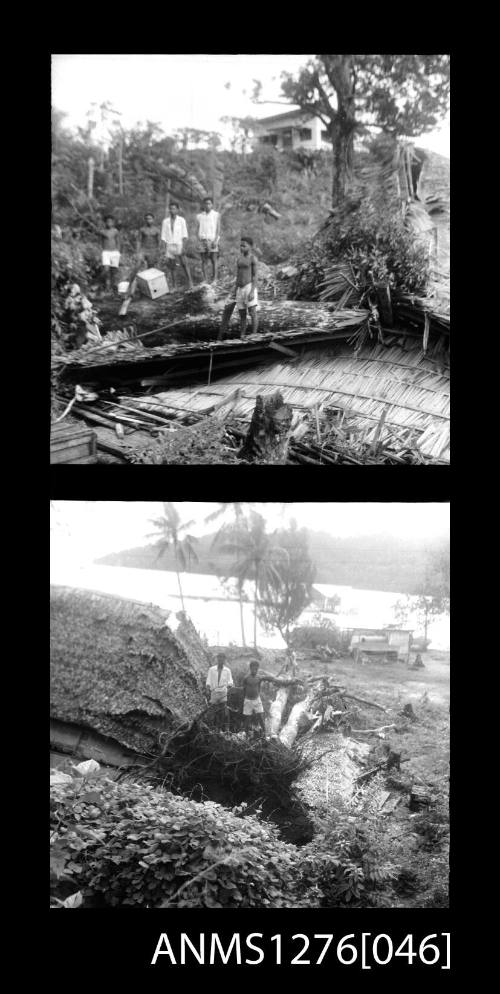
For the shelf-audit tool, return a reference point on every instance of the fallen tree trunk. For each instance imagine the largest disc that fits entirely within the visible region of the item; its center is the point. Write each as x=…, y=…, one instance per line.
x=290, y=731
x=276, y=711
x=196, y=315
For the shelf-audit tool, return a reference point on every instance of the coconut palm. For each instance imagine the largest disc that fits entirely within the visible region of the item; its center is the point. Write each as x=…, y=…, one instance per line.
x=169, y=529
x=256, y=558
x=229, y=532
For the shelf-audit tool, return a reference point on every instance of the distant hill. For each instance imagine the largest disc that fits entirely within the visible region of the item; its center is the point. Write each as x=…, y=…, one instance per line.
x=370, y=562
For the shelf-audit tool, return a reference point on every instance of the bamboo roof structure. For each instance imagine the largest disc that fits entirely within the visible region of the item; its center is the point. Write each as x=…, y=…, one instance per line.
x=411, y=387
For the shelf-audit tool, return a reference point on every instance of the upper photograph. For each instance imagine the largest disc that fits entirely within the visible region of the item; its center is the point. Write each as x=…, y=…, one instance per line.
x=250, y=259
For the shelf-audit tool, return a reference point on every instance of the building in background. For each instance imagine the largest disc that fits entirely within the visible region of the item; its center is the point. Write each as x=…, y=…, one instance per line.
x=293, y=129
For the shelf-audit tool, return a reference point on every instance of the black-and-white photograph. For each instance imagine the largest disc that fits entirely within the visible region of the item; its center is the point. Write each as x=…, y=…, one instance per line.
x=249, y=705
x=250, y=259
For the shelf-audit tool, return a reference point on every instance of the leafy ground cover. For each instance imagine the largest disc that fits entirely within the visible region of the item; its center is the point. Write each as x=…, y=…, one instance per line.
x=136, y=845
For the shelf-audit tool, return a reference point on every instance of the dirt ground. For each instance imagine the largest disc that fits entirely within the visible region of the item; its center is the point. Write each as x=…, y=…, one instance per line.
x=416, y=843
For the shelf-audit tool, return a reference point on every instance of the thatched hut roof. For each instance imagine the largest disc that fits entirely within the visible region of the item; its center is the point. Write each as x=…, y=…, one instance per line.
x=119, y=669
x=411, y=386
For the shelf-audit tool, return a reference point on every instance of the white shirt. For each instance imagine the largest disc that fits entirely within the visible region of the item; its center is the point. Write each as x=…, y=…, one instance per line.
x=179, y=230
x=218, y=683
x=208, y=224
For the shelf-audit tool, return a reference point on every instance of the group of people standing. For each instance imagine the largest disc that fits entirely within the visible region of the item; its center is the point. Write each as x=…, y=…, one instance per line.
x=170, y=240
x=220, y=678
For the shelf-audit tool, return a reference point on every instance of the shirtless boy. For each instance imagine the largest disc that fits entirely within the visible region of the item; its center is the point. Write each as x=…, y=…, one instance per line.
x=246, y=286
x=252, y=703
x=148, y=243
x=110, y=241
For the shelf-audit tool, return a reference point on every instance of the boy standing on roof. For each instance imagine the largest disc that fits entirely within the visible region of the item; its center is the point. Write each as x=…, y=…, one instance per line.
x=148, y=242
x=110, y=241
x=219, y=678
x=209, y=237
x=246, y=286
x=174, y=236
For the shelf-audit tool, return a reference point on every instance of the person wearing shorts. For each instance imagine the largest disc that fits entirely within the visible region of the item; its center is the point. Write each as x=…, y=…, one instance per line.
x=252, y=703
x=245, y=294
x=174, y=235
x=148, y=242
x=208, y=237
x=110, y=241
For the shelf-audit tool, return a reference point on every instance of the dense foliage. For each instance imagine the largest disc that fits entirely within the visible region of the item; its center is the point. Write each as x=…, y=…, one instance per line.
x=74, y=266
x=359, y=250
x=129, y=844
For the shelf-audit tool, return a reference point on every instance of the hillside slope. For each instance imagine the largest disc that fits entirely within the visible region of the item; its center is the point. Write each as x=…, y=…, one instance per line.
x=367, y=562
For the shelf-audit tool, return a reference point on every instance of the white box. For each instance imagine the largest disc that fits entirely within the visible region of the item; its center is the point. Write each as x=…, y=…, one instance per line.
x=152, y=283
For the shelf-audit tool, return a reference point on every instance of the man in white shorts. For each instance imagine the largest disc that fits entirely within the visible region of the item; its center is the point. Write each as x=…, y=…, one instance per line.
x=252, y=703
x=209, y=237
x=110, y=240
x=246, y=286
x=174, y=236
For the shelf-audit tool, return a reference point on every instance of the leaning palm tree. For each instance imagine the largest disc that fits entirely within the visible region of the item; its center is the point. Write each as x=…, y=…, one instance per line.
x=169, y=529
x=256, y=558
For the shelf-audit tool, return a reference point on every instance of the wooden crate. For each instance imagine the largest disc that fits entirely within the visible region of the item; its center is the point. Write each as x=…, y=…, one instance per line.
x=72, y=444
x=152, y=283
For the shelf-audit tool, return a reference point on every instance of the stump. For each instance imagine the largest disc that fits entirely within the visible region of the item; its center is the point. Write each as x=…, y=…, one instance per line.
x=267, y=435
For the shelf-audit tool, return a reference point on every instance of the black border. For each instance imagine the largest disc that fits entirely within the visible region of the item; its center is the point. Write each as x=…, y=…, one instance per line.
x=111, y=946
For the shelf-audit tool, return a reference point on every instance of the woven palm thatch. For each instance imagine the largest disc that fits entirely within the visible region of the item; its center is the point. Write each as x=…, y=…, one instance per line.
x=118, y=669
x=411, y=387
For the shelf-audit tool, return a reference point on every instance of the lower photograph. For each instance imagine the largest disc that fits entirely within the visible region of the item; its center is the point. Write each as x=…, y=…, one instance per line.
x=249, y=704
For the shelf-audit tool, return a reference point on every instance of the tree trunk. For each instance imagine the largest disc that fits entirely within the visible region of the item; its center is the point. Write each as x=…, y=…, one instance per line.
x=180, y=590
x=242, y=622
x=255, y=614
x=288, y=734
x=343, y=126
x=426, y=623
x=277, y=708
x=90, y=180
x=267, y=435
x=197, y=315
x=120, y=165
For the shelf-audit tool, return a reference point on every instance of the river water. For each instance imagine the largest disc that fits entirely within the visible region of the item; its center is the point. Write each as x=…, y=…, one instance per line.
x=215, y=610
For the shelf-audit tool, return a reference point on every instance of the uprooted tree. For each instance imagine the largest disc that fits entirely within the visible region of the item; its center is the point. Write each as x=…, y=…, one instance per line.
x=404, y=95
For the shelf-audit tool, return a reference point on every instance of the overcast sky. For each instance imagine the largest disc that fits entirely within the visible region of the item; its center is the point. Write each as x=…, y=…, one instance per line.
x=86, y=530
x=178, y=91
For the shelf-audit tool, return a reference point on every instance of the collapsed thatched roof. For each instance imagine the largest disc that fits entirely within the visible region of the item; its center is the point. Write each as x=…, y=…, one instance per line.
x=410, y=386
x=117, y=667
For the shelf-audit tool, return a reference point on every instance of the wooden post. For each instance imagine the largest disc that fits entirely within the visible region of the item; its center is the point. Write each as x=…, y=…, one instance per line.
x=167, y=199
x=90, y=180
x=120, y=163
